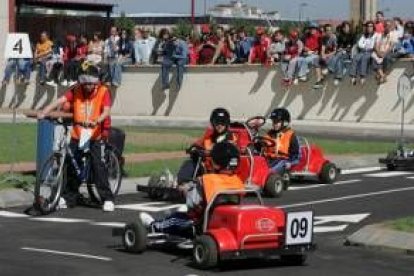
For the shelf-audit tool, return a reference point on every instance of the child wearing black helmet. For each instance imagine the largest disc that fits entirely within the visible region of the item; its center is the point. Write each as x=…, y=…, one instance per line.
x=225, y=158
x=217, y=133
x=286, y=151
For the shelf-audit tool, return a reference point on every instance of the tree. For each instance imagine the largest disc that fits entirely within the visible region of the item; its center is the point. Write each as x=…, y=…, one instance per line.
x=248, y=27
x=183, y=28
x=125, y=23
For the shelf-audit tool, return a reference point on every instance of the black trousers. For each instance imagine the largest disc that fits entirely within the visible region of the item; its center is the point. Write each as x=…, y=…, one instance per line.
x=98, y=169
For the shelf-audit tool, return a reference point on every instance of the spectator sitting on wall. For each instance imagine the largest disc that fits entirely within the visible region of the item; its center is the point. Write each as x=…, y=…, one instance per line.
x=225, y=51
x=327, y=60
x=95, y=49
x=243, y=45
x=291, y=58
x=407, y=45
x=207, y=48
x=24, y=69
x=192, y=44
x=157, y=51
x=277, y=47
x=80, y=56
x=111, y=54
x=379, y=22
x=258, y=52
x=54, y=66
x=346, y=42
x=42, y=54
x=69, y=53
x=362, y=59
x=382, y=52
x=175, y=52
x=125, y=48
x=312, y=46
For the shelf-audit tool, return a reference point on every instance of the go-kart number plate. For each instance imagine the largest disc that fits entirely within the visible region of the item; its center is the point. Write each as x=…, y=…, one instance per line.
x=299, y=228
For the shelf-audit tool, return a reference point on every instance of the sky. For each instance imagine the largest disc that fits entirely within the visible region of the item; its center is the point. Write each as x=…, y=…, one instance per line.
x=289, y=9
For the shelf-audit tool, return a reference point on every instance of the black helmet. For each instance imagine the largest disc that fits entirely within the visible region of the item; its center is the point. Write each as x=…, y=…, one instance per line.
x=225, y=155
x=89, y=73
x=220, y=116
x=280, y=114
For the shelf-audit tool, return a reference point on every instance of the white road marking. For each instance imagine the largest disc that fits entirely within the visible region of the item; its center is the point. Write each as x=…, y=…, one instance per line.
x=360, y=170
x=326, y=229
x=63, y=220
x=355, y=218
x=304, y=187
x=87, y=256
x=346, y=197
x=109, y=224
x=12, y=215
x=387, y=174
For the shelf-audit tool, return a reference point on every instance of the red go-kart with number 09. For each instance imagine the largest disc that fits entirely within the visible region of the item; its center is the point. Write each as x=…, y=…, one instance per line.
x=233, y=229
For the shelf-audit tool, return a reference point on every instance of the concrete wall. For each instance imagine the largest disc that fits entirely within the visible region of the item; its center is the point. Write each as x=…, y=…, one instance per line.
x=245, y=91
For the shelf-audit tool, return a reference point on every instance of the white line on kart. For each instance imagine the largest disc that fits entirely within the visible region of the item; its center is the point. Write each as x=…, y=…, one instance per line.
x=294, y=188
x=110, y=224
x=87, y=256
x=360, y=170
x=346, y=197
x=63, y=220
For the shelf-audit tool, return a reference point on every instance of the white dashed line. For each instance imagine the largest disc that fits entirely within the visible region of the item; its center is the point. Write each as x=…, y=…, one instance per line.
x=305, y=187
x=87, y=256
x=360, y=170
x=63, y=220
x=387, y=174
x=7, y=214
x=109, y=224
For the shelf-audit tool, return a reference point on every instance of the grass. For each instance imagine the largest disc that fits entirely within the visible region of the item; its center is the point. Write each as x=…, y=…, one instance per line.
x=152, y=167
x=403, y=224
x=24, y=181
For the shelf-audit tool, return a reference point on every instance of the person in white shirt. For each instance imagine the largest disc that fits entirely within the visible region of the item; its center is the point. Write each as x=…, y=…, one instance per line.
x=111, y=53
x=362, y=59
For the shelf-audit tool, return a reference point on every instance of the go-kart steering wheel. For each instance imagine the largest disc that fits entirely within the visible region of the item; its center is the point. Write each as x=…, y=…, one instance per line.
x=256, y=122
x=264, y=142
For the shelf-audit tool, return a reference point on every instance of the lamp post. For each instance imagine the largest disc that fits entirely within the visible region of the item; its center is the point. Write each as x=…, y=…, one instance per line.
x=301, y=8
x=192, y=12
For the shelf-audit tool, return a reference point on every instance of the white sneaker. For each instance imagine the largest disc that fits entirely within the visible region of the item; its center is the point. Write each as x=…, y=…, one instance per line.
x=303, y=79
x=64, y=83
x=146, y=219
x=108, y=206
x=295, y=81
x=71, y=83
x=62, y=203
x=325, y=72
x=51, y=83
x=336, y=82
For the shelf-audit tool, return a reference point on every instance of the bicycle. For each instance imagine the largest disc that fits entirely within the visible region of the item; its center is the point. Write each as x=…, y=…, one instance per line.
x=53, y=176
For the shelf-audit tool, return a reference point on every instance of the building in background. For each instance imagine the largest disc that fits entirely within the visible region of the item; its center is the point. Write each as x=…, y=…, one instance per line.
x=238, y=9
x=362, y=10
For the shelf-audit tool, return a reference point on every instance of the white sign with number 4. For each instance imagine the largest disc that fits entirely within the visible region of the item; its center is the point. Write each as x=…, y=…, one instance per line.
x=299, y=228
x=18, y=46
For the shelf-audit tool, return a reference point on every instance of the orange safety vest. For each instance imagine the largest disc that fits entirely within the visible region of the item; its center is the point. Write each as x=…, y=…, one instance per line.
x=215, y=183
x=281, y=149
x=87, y=110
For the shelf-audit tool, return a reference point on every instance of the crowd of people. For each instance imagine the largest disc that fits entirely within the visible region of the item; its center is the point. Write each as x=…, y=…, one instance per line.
x=327, y=49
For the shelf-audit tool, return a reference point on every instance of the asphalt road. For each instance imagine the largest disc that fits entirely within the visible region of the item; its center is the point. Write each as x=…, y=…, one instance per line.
x=78, y=241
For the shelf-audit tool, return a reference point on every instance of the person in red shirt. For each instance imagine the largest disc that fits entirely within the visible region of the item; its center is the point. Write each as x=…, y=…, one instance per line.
x=258, y=52
x=91, y=103
x=312, y=46
x=379, y=23
x=291, y=57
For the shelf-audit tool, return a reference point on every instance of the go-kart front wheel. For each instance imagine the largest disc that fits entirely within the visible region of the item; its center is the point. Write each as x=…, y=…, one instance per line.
x=274, y=185
x=329, y=173
x=205, y=253
x=135, y=237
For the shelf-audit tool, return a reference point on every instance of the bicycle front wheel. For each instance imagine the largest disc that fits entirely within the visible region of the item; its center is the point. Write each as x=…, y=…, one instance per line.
x=113, y=168
x=49, y=184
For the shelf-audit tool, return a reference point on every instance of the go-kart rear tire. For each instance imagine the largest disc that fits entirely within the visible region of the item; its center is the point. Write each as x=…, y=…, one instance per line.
x=134, y=237
x=274, y=185
x=391, y=167
x=205, y=253
x=329, y=173
x=296, y=259
x=154, y=192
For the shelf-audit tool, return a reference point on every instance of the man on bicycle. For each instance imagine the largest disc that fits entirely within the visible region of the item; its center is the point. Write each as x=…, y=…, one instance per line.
x=91, y=102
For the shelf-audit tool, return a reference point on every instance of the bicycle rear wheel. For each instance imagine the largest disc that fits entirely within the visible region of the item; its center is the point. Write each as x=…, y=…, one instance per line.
x=49, y=184
x=113, y=168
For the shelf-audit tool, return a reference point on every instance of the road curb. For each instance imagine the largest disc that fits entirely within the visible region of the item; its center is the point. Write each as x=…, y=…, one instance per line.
x=380, y=237
x=14, y=198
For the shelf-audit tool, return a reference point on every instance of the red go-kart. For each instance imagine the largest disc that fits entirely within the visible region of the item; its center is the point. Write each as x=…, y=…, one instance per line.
x=234, y=229
x=313, y=164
